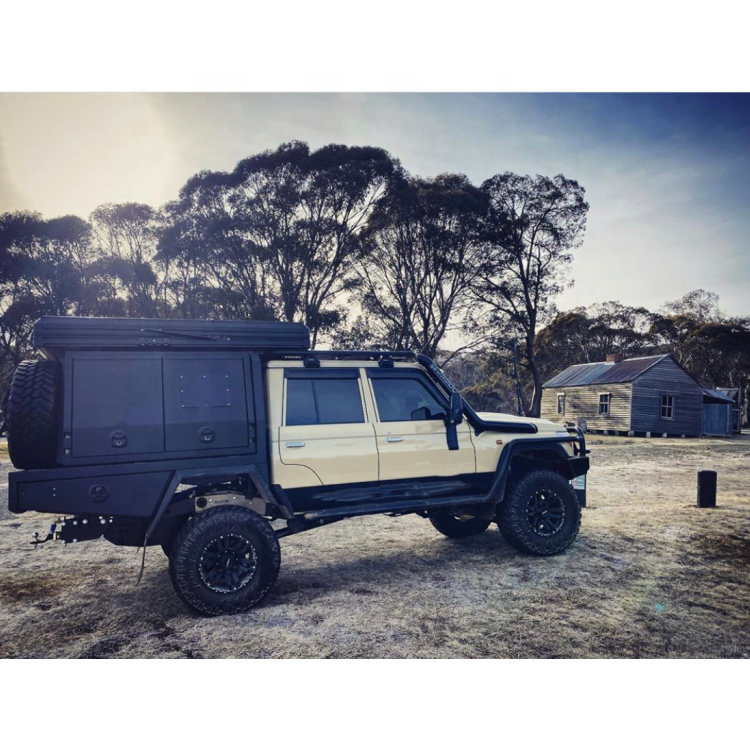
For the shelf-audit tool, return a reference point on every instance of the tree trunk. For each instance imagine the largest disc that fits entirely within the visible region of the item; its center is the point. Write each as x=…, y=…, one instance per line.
x=536, y=404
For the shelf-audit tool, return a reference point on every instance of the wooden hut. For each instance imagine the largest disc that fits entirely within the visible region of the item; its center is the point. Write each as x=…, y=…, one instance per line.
x=642, y=395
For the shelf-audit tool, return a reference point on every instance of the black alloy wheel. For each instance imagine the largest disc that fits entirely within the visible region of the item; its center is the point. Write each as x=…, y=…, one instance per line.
x=545, y=512
x=224, y=560
x=228, y=563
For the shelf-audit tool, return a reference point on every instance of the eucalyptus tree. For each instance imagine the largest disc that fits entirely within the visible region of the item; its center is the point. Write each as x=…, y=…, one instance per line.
x=281, y=230
x=533, y=226
x=125, y=236
x=46, y=268
x=420, y=257
x=590, y=334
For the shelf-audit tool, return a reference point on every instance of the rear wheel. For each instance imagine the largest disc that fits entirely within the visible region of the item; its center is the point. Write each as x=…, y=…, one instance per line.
x=457, y=525
x=541, y=514
x=224, y=560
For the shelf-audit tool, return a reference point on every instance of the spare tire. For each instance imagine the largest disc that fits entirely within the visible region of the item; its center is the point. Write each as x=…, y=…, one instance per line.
x=32, y=415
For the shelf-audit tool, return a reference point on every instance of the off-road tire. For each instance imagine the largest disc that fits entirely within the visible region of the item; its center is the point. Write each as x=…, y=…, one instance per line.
x=513, y=516
x=32, y=415
x=454, y=526
x=188, y=553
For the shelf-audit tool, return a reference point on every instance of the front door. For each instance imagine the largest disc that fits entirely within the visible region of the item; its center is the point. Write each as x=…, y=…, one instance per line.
x=411, y=431
x=324, y=427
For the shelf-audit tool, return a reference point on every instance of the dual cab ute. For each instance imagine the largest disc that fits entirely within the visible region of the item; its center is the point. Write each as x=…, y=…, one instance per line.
x=214, y=439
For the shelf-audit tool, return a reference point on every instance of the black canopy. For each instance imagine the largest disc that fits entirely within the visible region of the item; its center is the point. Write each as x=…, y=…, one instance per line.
x=59, y=333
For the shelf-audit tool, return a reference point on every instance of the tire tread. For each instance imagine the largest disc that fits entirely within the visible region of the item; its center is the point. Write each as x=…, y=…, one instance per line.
x=218, y=518
x=513, y=525
x=32, y=415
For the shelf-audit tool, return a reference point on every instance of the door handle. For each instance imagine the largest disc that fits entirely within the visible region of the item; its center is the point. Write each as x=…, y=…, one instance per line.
x=395, y=440
x=296, y=444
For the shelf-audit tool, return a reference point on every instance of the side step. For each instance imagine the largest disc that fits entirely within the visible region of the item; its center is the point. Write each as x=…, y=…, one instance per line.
x=403, y=506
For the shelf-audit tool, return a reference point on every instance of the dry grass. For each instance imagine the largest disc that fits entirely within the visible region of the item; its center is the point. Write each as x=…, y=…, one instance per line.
x=650, y=576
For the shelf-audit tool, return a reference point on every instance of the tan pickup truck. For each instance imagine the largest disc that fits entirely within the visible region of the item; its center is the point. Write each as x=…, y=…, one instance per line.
x=215, y=439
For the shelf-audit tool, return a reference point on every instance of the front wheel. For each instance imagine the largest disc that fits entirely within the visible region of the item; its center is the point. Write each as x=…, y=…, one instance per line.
x=457, y=525
x=224, y=560
x=541, y=514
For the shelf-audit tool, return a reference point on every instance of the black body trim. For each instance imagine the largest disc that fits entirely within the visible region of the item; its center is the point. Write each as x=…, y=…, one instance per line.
x=304, y=499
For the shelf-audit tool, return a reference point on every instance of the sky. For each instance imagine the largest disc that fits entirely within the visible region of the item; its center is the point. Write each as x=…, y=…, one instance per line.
x=667, y=176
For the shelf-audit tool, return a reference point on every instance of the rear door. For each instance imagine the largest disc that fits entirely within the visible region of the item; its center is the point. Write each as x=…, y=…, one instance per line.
x=325, y=426
x=410, y=428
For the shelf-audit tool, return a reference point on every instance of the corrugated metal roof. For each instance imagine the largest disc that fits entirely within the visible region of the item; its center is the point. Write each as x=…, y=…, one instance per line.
x=715, y=393
x=578, y=374
x=731, y=392
x=603, y=372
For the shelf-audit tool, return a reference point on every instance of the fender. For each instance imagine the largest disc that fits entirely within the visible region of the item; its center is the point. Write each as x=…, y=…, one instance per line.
x=573, y=466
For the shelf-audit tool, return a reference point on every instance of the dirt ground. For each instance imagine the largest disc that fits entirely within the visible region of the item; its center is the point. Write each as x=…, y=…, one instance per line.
x=651, y=575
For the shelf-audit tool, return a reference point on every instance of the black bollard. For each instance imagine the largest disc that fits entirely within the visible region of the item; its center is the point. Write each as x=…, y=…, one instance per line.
x=706, y=489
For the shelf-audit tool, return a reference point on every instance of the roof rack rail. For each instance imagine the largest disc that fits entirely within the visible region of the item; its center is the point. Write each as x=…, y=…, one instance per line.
x=312, y=358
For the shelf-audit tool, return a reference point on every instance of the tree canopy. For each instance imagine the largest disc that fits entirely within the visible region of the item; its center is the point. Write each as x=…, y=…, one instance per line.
x=343, y=239
x=533, y=226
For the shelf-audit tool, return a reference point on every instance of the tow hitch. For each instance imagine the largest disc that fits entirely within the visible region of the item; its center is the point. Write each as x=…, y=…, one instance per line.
x=49, y=538
x=75, y=529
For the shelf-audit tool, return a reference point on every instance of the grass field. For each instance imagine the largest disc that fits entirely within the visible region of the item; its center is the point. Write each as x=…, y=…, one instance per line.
x=651, y=575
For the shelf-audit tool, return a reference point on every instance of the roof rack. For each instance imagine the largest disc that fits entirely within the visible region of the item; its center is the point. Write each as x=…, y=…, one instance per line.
x=313, y=358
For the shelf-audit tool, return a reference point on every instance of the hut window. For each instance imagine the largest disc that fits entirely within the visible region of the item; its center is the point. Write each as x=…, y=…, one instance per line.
x=561, y=403
x=604, y=399
x=667, y=406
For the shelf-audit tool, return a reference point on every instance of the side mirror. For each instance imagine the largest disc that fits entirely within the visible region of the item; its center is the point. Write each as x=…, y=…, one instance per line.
x=420, y=414
x=456, y=412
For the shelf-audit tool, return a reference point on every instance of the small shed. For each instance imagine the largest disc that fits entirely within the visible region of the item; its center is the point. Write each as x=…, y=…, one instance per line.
x=718, y=412
x=736, y=395
x=641, y=395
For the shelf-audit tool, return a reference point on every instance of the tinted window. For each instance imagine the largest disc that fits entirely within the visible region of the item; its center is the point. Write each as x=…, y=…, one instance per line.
x=338, y=401
x=405, y=399
x=323, y=401
x=300, y=402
